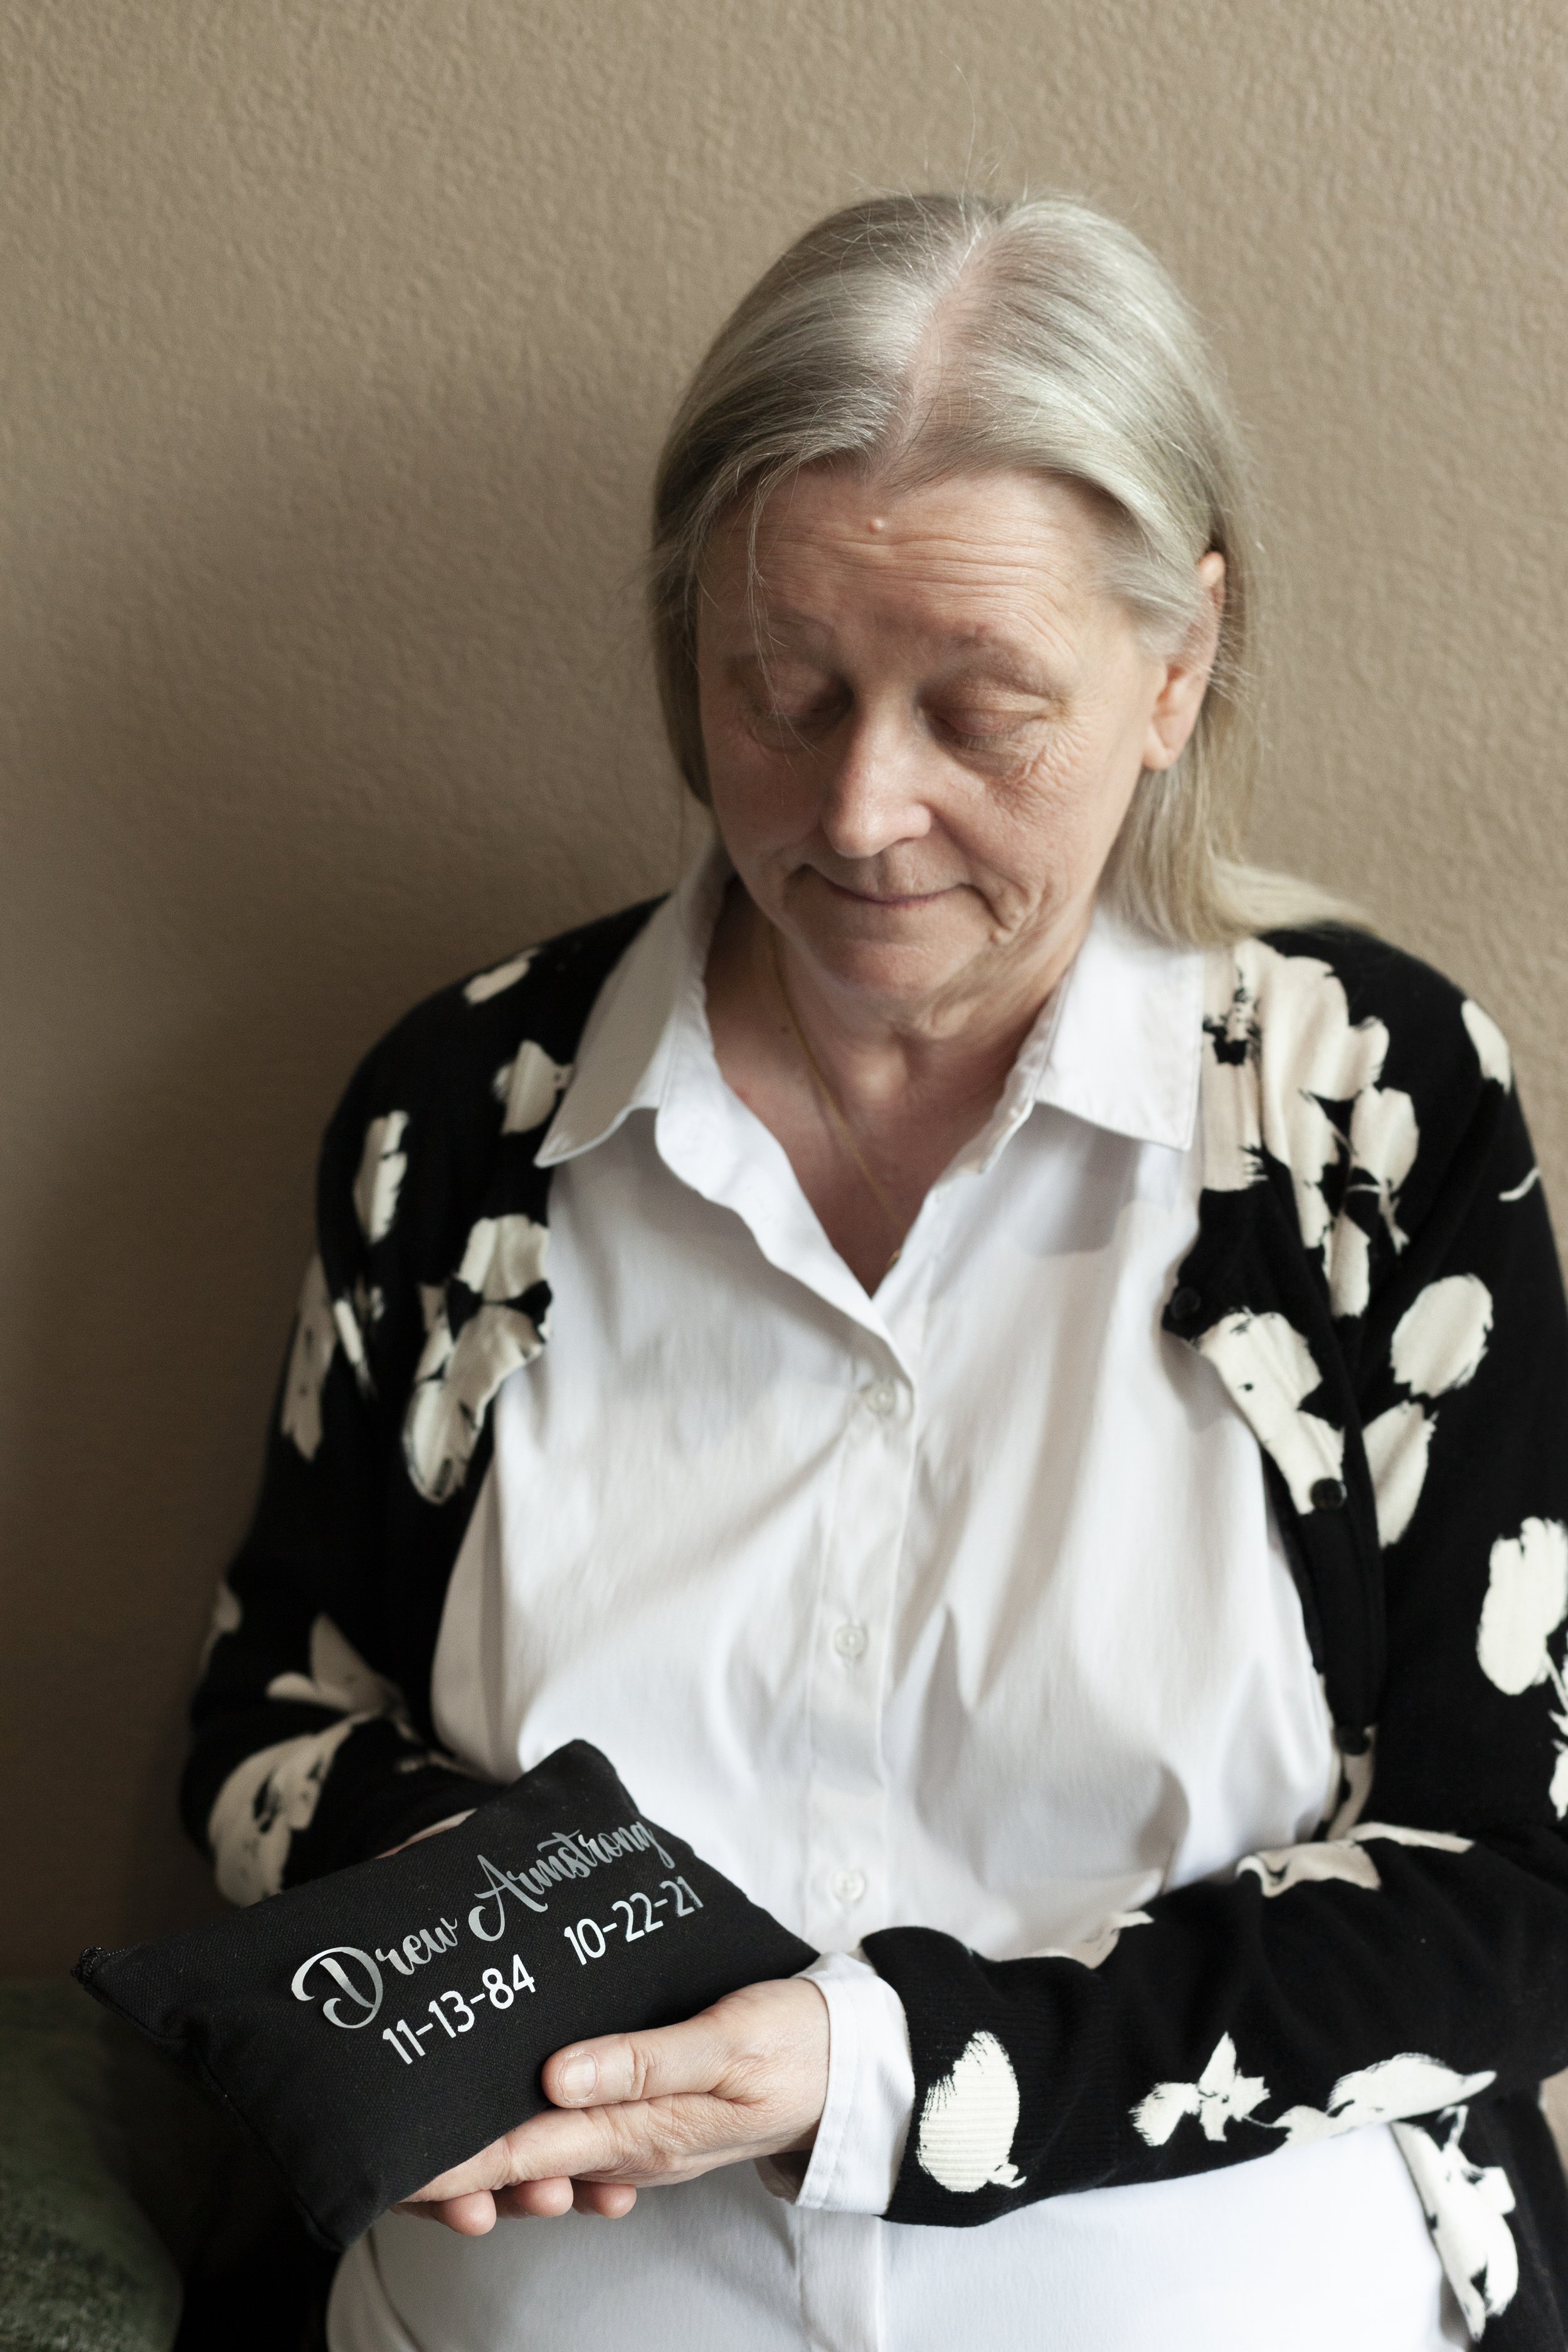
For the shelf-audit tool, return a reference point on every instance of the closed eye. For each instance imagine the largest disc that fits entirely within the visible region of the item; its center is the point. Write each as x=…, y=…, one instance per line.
x=988, y=729
x=784, y=714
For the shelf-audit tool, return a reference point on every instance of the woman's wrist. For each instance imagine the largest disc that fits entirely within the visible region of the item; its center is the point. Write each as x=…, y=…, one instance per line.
x=859, y=2140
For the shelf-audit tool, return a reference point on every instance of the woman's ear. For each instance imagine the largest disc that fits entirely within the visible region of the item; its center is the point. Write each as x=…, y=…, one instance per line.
x=1187, y=672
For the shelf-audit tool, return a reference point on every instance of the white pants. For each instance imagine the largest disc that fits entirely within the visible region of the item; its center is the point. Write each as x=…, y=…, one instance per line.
x=1300, y=2251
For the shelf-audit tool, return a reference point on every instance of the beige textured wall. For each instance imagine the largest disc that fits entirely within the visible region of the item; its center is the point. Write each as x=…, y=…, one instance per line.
x=337, y=342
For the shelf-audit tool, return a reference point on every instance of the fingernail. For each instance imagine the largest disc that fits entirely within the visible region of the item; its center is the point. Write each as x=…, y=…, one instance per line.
x=578, y=2077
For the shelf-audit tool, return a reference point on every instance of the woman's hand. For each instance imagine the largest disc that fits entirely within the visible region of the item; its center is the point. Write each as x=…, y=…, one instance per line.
x=746, y=2078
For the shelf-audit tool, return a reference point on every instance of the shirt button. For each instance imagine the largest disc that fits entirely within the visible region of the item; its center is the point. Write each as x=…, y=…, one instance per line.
x=881, y=1396
x=848, y=1885
x=850, y=1641
x=1328, y=1495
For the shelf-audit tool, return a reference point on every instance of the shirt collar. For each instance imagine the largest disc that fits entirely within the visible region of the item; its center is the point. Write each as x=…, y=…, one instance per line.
x=1119, y=1044
x=1125, y=1051
x=628, y=1047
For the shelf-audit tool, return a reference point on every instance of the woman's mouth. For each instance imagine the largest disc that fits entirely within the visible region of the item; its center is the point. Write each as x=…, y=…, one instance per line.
x=894, y=898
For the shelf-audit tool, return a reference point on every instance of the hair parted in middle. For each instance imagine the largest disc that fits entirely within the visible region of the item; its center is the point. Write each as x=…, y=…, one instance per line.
x=922, y=336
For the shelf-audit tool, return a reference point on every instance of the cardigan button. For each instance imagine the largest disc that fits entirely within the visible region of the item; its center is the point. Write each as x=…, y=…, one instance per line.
x=1186, y=1304
x=1328, y=1495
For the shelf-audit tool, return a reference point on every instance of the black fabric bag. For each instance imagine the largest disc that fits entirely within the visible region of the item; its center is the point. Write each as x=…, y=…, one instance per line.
x=381, y=2024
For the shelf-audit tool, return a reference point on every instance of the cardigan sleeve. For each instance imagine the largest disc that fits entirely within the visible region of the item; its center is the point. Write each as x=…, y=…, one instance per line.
x=307, y=1749
x=313, y=1743
x=1408, y=1967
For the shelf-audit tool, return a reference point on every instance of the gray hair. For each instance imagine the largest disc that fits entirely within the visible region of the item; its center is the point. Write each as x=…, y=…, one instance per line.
x=914, y=336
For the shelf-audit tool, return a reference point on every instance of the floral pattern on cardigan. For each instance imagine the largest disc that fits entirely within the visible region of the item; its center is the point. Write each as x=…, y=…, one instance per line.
x=1375, y=1283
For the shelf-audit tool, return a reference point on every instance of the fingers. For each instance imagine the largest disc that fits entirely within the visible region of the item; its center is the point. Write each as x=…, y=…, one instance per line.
x=473, y=2216
x=620, y=2067
x=610, y=2200
x=493, y=2167
x=452, y=1821
x=631, y=2144
x=746, y=2078
x=724, y=2050
x=532, y=2171
x=538, y=2200
x=528, y=2171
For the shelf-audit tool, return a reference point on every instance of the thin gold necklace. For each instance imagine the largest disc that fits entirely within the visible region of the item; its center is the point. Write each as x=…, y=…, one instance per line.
x=830, y=1102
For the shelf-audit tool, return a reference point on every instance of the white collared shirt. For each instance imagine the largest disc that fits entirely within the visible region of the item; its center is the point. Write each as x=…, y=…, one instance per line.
x=961, y=1605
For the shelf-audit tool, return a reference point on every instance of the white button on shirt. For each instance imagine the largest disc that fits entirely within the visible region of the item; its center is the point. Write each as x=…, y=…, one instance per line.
x=961, y=1606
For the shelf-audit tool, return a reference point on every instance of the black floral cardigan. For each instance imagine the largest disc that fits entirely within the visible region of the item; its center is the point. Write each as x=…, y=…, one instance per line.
x=1375, y=1283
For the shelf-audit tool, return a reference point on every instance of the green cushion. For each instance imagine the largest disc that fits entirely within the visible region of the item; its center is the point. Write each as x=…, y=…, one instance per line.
x=82, y=2268
x=118, y=2173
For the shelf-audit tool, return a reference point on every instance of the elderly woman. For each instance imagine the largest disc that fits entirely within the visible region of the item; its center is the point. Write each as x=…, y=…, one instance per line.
x=1048, y=1464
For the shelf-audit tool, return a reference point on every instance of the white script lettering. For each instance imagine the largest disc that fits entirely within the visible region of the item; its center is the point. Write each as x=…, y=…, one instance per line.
x=331, y=1960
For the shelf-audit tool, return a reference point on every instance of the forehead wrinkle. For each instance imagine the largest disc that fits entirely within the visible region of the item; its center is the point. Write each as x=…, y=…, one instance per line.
x=925, y=556
x=919, y=564
x=989, y=599
x=1008, y=653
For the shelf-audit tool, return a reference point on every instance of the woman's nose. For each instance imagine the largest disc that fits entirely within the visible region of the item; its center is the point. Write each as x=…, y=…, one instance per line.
x=872, y=796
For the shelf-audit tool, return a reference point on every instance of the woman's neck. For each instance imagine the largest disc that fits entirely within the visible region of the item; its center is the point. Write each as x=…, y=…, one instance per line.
x=956, y=1044
x=870, y=1102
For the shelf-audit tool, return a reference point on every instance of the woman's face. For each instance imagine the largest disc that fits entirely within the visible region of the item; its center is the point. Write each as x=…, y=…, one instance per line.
x=924, y=724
